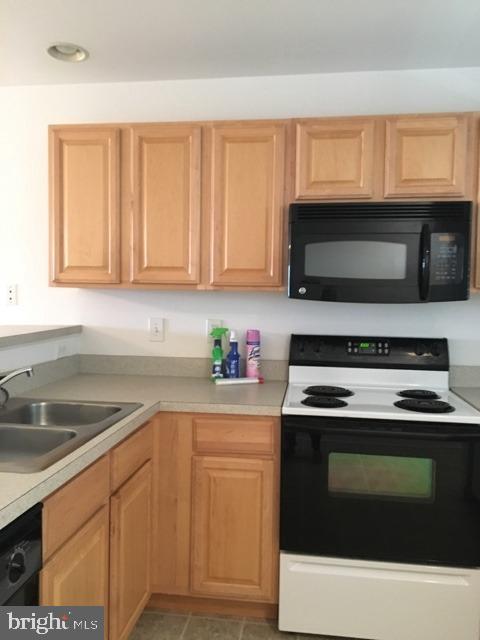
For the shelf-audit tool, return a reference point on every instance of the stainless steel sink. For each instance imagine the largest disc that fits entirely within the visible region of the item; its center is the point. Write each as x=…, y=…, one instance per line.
x=28, y=442
x=47, y=413
x=36, y=433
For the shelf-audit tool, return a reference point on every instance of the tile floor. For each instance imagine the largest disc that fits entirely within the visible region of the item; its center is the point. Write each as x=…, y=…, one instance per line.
x=155, y=625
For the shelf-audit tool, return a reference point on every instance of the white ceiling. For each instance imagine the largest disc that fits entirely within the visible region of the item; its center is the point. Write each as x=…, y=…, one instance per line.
x=172, y=39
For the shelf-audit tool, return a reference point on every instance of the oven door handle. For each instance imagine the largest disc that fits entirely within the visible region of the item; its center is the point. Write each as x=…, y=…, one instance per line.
x=389, y=433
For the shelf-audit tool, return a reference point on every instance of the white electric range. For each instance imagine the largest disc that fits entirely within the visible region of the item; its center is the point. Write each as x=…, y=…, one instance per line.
x=380, y=492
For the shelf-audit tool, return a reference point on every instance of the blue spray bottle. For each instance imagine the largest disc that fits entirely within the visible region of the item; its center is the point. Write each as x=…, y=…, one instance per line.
x=233, y=358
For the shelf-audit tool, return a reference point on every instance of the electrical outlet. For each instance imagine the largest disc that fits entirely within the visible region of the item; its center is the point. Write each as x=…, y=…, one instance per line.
x=61, y=350
x=156, y=329
x=12, y=294
x=211, y=324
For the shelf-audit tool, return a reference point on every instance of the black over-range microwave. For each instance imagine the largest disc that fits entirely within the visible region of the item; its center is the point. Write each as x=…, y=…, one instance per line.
x=380, y=252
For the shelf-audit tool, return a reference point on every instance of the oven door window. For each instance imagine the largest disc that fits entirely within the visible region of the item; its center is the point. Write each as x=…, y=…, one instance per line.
x=356, y=259
x=381, y=476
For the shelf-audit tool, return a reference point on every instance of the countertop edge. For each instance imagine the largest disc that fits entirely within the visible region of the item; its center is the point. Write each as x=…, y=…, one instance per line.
x=233, y=409
x=36, y=335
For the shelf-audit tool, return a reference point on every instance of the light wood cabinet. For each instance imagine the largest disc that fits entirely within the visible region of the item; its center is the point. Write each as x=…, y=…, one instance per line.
x=130, y=549
x=247, y=201
x=216, y=493
x=426, y=156
x=166, y=204
x=335, y=158
x=201, y=205
x=97, y=547
x=84, y=205
x=232, y=529
x=66, y=510
x=172, y=496
x=78, y=574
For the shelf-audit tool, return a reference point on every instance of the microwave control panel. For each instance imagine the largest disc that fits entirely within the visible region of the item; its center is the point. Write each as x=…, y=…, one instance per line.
x=446, y=258
x=368, y=347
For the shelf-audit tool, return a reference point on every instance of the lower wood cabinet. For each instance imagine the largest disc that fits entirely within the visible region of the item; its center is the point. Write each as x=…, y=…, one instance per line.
x=232, y=527
x=216, y=490
x=186, y=507
x=77, y=574
x=130, y=548
x=98, y=545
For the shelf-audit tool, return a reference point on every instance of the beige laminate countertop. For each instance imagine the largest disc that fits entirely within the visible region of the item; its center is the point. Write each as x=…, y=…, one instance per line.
x=20, y=491
x=470, y=394
x=13, y=335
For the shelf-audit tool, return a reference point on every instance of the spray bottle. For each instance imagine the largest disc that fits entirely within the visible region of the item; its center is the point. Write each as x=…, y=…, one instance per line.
x=217, y=352
x=233, y=358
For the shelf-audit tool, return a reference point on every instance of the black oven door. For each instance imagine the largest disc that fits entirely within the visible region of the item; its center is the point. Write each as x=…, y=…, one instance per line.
x=346, y=253
x=381, y=490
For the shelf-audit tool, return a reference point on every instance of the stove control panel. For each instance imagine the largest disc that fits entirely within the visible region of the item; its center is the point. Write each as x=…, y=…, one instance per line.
x=368, y=351
x=369, y=347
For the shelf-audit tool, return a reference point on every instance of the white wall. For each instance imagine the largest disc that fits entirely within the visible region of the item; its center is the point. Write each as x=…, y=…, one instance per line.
x=116, y=320
x=32, y=353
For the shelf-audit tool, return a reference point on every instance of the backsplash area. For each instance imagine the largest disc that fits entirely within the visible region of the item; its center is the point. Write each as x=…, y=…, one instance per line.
x=116, y=322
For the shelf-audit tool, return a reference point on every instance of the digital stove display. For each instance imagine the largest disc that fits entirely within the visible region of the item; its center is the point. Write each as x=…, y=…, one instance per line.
x=368, y=347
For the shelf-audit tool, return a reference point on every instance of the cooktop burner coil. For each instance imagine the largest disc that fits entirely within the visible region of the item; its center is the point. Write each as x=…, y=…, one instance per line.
x=425, y=406
x=328, y=391
x=326, y=402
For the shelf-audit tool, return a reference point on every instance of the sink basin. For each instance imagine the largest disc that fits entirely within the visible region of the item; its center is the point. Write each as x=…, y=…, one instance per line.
x=35, y=433
x=65, y=414
x=27, y=442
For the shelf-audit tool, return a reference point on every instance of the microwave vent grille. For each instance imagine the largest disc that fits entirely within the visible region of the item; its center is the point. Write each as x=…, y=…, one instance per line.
x=314, y=210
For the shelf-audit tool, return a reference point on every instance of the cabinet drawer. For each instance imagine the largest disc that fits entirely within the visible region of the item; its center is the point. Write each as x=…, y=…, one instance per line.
x=65, y=511
x=234, y=435
x=131, y=455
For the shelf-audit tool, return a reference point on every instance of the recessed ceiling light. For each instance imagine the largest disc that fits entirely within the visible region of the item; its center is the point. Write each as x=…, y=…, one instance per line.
x=67, y=52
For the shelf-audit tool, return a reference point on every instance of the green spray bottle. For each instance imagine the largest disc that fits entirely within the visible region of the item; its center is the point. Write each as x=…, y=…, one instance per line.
x=217, y=334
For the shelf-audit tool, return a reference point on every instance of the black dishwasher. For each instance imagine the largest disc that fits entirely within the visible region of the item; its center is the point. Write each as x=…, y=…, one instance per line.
x=21, y=559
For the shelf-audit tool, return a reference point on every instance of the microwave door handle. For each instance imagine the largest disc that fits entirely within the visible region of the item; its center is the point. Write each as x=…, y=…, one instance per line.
x=424, y=267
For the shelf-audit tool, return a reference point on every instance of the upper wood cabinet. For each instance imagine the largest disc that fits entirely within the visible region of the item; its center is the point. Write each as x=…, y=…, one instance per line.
x=166, y=204
x=247, y=201
x=201, y=205
x=426, y=156
x=84, y=204
x=335, y=158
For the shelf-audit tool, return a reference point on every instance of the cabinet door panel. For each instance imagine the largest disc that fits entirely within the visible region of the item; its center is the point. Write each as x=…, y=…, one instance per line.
x=130, y=552
x=233, y=529
x=248, y=184
x=77, y=575
x=166, y=204
x=426, y=156
x=334, y=159
x=85, y=209
x=172, y=494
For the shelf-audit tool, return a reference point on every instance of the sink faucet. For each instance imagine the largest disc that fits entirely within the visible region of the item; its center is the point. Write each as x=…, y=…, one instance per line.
x=4, y=393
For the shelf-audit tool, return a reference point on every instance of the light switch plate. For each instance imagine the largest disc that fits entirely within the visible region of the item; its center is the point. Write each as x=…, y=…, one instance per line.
x=156, y=329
